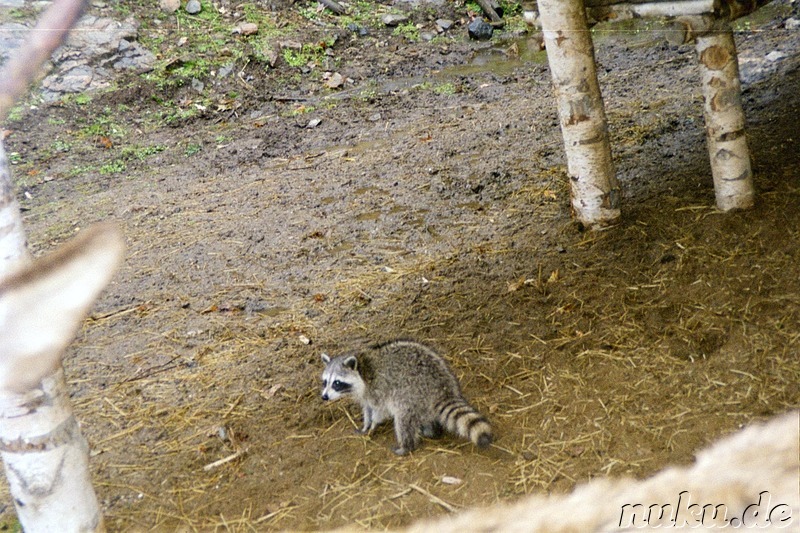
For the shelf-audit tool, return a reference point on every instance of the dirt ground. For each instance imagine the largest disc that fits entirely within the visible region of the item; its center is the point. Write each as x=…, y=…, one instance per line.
x=431, y=202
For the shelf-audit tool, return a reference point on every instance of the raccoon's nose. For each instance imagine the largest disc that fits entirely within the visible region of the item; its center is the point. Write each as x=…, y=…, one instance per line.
x=325, y=396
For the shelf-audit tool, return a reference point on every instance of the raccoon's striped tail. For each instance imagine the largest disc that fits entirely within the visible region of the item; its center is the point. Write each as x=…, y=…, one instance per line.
x=459, y=417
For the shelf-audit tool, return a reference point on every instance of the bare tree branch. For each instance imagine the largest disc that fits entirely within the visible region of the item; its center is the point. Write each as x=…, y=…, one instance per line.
x=21, y=69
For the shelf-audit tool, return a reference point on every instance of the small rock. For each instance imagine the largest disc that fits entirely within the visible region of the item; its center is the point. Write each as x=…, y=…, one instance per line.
x=444, y=24
x=271, y=56
x=393, y=19
x=427, y=36
x=374, y=118
x=225, y=70
x=360, y=30
x=246, y=28
x=791, y=23
x=333, y=80
x=193, y=7
x=775, y=56
x=73, y=79
x=198, y=85
x=169, y=6
x=480, y=30
x=292, y=45
x=313, y=123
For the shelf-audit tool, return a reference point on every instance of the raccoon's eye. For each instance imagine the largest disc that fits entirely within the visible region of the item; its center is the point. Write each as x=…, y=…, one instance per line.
x=340, y=386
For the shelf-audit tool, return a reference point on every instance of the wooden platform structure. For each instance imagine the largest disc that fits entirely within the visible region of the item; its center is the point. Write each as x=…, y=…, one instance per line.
x=595, y=190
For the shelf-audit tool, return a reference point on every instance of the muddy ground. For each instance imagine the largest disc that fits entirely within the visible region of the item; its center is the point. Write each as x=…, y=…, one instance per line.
x=431, y=202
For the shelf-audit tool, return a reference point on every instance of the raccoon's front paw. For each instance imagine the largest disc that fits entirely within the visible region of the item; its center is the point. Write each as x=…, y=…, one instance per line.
x=362, y=431
x=399, y=450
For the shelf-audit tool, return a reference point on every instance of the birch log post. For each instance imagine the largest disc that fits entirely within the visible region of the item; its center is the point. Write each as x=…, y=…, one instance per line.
x=724, y=116
x=594, y=187
x=12, y=237
x=41, y=307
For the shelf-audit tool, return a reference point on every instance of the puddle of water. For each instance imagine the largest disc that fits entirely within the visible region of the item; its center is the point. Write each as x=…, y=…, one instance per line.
x=502, y=57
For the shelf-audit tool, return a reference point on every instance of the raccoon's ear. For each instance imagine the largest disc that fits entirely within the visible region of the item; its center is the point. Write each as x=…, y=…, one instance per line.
x=325, y=358
x=351, y=362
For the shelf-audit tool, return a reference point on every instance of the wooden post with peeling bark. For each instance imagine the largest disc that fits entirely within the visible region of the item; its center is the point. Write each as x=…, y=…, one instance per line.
x=42, y=305
x=724, y=116
x=12, y=237
x=594, y=187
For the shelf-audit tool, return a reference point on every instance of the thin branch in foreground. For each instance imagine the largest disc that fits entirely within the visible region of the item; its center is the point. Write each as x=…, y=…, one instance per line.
x=21, y=69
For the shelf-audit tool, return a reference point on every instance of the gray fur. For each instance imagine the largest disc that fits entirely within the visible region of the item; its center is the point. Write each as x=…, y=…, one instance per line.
x=410, y=383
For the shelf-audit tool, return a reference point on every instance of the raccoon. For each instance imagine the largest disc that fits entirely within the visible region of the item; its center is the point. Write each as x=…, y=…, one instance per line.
x=409, y=382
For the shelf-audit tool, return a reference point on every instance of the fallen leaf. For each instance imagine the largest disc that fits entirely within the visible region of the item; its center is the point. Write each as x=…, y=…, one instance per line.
x=514, y=286
x=271, y=392
x=450, y=480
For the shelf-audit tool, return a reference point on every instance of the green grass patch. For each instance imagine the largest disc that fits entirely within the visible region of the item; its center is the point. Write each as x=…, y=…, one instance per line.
x=445, y=88
x=409, y=30
x=141, y=152
x=114, y=167
x=60, y=146
x=210, y=43
x=103, y=125
x=309, y=54
x=193, y=149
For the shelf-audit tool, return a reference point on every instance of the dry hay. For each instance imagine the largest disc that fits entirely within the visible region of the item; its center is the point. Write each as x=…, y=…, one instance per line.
x=607, y=354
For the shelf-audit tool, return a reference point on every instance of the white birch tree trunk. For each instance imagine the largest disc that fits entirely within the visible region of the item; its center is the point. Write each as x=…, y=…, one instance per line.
x=42, y=305
x=594, y=187
x=724, y=116
x=46, y=459
x=13, y=247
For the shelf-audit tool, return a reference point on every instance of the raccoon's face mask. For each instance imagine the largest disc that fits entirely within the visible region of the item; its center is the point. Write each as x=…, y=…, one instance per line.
x=339, y=376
